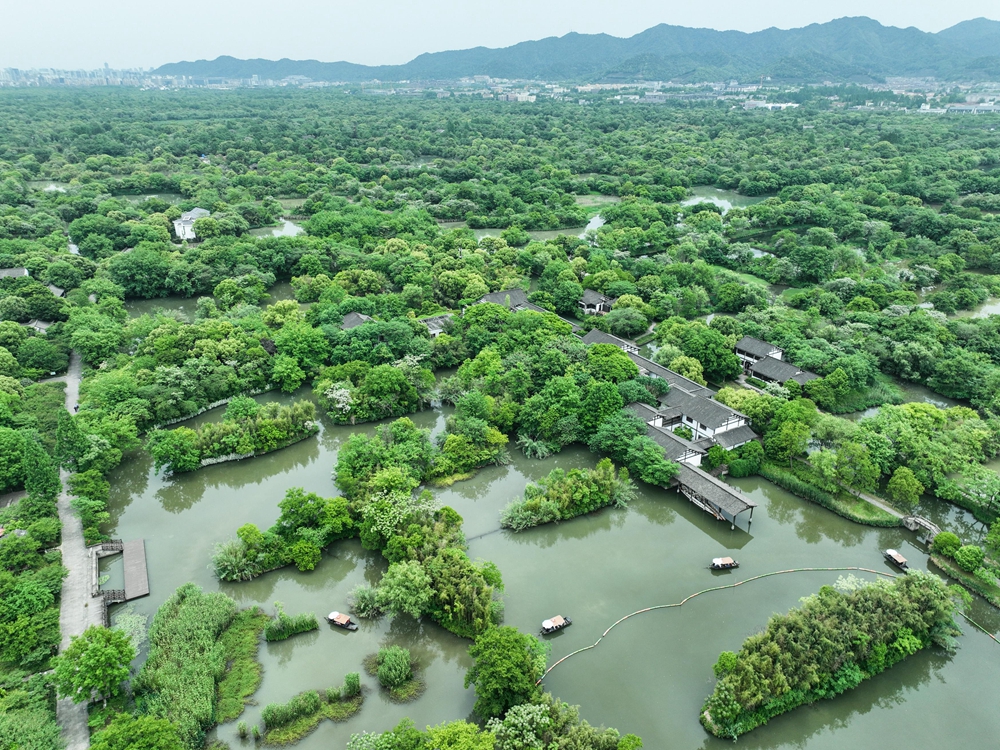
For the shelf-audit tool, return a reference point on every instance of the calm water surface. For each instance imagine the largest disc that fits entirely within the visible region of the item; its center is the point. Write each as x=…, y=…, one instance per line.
x=724, y=199
x=187, y=306
x=650, y=676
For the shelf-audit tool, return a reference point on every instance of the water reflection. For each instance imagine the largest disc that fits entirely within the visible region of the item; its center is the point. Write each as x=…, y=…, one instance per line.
x=649, y=677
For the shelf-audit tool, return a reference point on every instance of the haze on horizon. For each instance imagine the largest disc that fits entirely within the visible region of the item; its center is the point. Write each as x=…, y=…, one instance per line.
x=68, y=34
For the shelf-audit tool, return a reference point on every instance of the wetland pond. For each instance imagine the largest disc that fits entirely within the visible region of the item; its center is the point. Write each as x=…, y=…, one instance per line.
x=650, y=676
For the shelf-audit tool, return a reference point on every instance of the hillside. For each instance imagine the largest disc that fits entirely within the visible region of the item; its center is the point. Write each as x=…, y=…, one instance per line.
x=848, y=49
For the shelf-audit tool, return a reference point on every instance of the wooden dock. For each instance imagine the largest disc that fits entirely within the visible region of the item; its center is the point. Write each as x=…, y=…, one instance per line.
x=136, y=577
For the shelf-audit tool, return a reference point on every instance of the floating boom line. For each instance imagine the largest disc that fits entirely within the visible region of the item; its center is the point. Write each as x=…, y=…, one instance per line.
x=732, y=586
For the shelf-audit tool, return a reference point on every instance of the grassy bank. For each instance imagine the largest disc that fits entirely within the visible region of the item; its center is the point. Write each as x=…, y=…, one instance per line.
x=967, y=580
x=843, y=504
x=404, y=692
x=289, y=722
x=240, y=643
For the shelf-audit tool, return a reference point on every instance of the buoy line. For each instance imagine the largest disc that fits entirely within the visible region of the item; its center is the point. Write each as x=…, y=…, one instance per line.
x=732, y=586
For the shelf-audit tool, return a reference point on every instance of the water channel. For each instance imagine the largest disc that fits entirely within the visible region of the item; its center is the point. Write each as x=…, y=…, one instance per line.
x=649, y=677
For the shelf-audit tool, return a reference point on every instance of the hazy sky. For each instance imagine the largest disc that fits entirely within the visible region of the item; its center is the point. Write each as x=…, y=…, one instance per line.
x=88, y=33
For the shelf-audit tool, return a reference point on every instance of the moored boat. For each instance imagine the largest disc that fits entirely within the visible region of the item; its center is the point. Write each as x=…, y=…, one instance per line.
x=895, y=558
x=341, y=621
x=556, y=623
x=724, y=563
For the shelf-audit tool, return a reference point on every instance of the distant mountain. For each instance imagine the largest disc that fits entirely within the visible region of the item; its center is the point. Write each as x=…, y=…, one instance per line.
x=848, y=49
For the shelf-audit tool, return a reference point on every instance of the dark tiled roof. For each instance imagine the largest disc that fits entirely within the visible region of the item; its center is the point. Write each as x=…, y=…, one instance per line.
x=733, y=438
x=353, y=320
x=518, y=298
x=643, y=411
x=676, y=380
x=593, y=297
x=781, y=371
x=755, y=346
x=674, y=446
x=595, y=336
x=438, y=322
x=706, y=411
x=730, y=499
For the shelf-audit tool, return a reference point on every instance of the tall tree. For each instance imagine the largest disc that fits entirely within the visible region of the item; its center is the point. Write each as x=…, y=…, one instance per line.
x=94, y=665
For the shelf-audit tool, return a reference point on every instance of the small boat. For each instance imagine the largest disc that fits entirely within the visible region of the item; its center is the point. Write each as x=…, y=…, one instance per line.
x=341, y=621
x=895, y=558
x=724, y=563
x=556, y=623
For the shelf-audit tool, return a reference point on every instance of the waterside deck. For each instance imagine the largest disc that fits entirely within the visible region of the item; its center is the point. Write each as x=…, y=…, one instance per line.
x=713, y=495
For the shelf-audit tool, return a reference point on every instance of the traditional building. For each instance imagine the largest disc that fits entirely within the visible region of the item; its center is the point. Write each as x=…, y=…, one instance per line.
x=773, y=370
x=438, y=324
x=595, y=303
x=184, y=226
x=595, y=336
x=353, y=320
x=765, y=362
x=751, y=350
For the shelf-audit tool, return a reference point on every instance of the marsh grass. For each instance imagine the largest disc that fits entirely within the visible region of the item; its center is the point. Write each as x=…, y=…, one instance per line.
x=244, y=673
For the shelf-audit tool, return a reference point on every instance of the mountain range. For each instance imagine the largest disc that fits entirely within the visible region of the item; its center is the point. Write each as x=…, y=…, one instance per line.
x=847, y=49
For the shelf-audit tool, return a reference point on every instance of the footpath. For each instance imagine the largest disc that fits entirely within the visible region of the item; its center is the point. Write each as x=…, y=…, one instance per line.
x=78, y=610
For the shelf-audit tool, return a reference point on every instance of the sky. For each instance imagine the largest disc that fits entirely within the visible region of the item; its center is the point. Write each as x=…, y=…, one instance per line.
x=71, y=34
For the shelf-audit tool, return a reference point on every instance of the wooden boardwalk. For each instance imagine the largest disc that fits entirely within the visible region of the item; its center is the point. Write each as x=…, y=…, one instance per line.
x=136, y=578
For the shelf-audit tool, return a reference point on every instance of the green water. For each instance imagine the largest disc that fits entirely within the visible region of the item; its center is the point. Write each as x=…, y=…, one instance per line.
x=724, y=199
x=649, y=676
x=186, y=307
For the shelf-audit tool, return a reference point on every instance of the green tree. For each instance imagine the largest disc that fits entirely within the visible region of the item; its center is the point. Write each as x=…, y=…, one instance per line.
x=946, y=543
x=94, y=664
x=713, y=350
x=287, y=373
x=506, y=665
x=969, y=557
x=12, y=446
x=787, y=442
x=903, y=488
x=608, y=362
x=689, y=367
x=405, y=589
x=603, y=400
x=137, y=732
x=41, y=477
x=71, y=445
x=176, y=450
x=855, y=467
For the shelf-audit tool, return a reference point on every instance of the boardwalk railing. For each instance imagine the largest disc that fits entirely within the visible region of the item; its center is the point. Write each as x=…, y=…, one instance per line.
x=113, y=596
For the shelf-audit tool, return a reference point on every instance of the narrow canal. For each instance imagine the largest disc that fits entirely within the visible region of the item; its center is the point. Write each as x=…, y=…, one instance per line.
x=649, y=677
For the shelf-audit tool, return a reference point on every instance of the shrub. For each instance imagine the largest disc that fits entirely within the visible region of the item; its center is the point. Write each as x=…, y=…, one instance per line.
x=563, y=495
x=280, y=714
x=285, y=626
x=969, y=557
x=394, y=666
x=365, y=602
x=740, y=467
x=946, y=543
x=352, y=685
